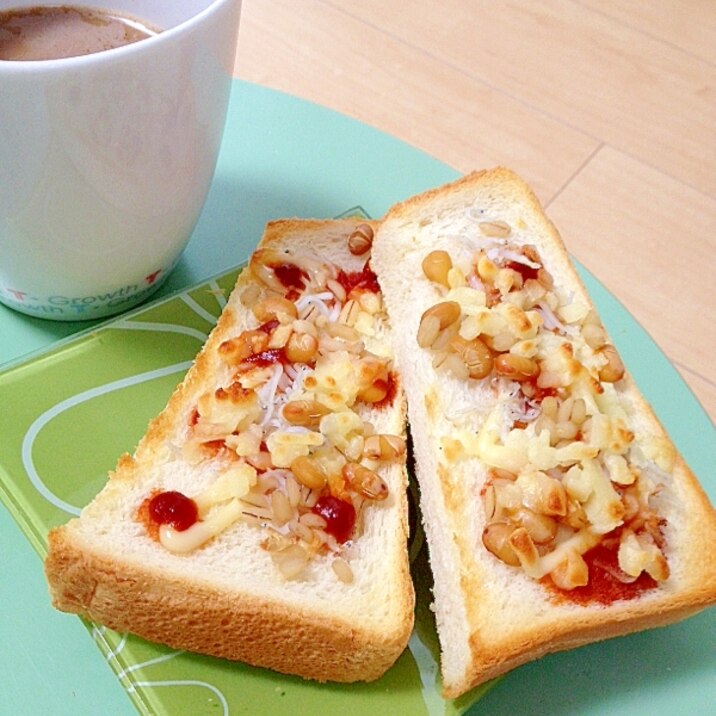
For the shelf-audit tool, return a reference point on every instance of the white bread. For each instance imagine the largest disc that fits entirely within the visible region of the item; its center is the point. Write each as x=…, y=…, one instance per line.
x=492, y=617
x=227, y=598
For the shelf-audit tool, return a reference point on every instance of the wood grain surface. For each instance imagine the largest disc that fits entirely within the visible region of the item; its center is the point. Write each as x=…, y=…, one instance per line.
x=607, y=108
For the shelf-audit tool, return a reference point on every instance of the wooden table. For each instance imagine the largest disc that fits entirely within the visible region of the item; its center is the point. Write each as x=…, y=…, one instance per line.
x=607, y=108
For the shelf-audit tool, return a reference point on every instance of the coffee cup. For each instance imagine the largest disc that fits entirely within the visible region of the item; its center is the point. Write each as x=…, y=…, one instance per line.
x=106, y=158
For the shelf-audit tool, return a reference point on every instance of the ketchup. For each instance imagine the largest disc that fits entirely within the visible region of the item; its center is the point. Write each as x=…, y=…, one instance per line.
x=174, y=509
x=604, y=587
x=525, y=271
x=269, y=326
x=267, y=357
x=534, y=392
x=290, y=275
x=340, y=516
x=363, y=280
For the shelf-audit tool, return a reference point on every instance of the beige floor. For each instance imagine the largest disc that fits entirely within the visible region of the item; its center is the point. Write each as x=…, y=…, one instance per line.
x=608, y=108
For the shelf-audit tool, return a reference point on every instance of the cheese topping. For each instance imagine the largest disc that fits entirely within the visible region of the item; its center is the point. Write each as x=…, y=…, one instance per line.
x=286, y=427
x=565, y=472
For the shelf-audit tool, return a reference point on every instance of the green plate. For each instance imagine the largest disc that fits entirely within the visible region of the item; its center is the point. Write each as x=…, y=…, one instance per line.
x=128, y=368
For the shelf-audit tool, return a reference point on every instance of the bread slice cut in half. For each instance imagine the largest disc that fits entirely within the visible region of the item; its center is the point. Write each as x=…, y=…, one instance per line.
x=557, y=510
x=263, y=516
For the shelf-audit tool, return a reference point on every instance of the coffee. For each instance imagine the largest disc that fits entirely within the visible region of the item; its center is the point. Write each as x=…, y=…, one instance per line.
x=52, y=32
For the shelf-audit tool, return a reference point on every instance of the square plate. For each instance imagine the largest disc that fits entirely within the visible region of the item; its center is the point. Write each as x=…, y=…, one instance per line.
x=128, y=367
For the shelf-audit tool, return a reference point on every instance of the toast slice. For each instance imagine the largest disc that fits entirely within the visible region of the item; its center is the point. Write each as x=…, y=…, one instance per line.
x=556, y=509
x=263, y=516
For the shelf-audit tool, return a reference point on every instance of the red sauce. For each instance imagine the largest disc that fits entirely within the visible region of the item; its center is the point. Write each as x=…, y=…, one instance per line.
x=534, y=392
x=340, y=516
x=525, y=271
x=364, y=280
x=264, y=358
x=290, y=275
x=269, y=326
x=604, y=587
x=174, y=509
x=194, y=417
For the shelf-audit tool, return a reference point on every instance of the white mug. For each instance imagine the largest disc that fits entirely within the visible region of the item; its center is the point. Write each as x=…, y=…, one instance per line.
x=106, y=159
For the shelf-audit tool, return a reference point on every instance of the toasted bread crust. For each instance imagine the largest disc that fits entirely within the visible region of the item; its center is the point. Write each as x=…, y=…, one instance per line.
x=207, y=620
x=135, y=585
x=491, y=617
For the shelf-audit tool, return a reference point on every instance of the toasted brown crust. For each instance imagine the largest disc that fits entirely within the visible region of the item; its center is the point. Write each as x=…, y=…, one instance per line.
x=162, y=601
x=531, y=644
x=257, y=631
x=481, y=636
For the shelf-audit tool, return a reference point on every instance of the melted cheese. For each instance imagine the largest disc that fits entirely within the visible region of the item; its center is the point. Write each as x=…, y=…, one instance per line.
x=202, y=531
